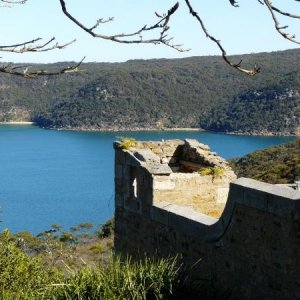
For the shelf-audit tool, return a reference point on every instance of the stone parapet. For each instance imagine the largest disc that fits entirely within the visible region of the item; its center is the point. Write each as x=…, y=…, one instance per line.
x=249, y=251
x=184, y=172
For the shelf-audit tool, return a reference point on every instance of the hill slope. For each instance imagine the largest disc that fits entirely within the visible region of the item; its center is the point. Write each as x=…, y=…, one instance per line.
x=191, y=92
x=279, y=164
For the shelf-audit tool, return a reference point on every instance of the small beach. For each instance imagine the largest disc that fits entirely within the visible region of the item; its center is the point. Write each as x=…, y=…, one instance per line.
x=17, y=123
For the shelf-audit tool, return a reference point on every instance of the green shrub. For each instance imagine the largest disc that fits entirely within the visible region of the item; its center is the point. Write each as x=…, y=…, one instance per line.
x=206, y=171
x=21, y=276
x=107, y=229
x=67, y=237
x=139, y=280
x=216, y=172
x=126, y=142
x=27, y=278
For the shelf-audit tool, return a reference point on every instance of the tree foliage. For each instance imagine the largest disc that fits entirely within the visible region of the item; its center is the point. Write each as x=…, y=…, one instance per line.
x=192, y=92
x=272, y=109
x=279, y=164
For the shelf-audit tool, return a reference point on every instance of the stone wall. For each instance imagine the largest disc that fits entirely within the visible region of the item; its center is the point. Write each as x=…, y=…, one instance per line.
x=171, y=170
x=250, y=252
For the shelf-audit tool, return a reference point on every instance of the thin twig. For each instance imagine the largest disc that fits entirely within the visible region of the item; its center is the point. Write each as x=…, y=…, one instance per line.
x=31, y=46
x=25, y=72
x=14, y=1
x=278, y=27
x=237, y=66
x=135, y=37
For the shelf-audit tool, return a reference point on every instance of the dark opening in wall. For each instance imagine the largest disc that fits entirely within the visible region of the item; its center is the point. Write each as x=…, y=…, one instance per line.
x=187, y=160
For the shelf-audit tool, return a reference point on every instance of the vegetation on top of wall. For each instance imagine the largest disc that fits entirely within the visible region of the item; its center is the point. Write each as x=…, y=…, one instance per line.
x=279, y=164
x=126, y=142
x=213, y=171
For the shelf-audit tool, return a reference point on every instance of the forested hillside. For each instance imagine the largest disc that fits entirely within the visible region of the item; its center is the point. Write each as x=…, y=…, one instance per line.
x=192, y=92
x=279, y=164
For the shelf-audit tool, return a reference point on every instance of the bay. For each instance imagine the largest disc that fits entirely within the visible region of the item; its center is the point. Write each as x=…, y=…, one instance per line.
x=66, y=177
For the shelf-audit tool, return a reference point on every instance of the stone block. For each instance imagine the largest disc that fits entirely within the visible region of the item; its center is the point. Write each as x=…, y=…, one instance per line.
x=159, y=214
x=158, y=169
x=256, y=199
x=118, y=171
x=281, y=206
x=119, y=200
x=133, y=205
x=173, y=160
x=187, y=221
x=120, y=157
x=157, y=151
x=165, y=160
x=131, y=160
x=215, y=232
x=165, y=184
x=169, y=150
x=191, y=143
x=118, y=184
x=146, y=155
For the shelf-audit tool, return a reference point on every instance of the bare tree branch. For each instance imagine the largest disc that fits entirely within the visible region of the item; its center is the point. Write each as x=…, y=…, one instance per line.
x=25, y=70
x=14, y=1
x=21, y=44
x=237, y=66
x=278, y=27
x=10, y=3
x=286, y=13
x=31, y=46
x=134, y=37
x=234, y=3
x=161, y=28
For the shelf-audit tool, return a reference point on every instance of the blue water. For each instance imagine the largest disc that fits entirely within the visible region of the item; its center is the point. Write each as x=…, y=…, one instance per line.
x=65, y=177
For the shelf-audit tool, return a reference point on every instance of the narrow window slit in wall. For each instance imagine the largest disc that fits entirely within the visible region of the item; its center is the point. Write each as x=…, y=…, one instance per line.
x=133, y=183
x=132, y=201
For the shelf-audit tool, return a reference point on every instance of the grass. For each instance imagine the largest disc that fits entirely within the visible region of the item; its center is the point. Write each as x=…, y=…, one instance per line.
x=216, y=172
x=144, y=279
x=52, y=274
x=126, y=143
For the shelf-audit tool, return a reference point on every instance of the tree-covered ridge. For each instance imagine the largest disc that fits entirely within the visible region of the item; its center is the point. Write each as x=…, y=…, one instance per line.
x=164, y=93
x=275, y=109
x=279, y=164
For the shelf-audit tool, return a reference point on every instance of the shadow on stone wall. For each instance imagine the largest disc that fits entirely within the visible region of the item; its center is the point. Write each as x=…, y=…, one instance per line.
x=249, y=251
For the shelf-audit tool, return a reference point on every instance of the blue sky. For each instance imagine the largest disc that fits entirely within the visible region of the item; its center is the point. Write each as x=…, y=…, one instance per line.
x=248, y=29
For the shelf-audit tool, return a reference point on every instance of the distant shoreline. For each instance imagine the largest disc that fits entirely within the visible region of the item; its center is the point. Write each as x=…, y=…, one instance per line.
x=120, y=129
x=134, y=129
x=17, y=123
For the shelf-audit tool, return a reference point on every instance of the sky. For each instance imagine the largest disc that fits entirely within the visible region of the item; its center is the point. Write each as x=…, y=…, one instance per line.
x=247, y=29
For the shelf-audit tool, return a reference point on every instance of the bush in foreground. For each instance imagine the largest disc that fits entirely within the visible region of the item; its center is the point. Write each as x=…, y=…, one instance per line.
x=146, y=279
x=26, y=277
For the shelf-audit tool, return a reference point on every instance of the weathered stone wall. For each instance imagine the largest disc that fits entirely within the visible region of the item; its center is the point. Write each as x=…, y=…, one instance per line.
x=174, y=168
x=250, y=252
x=203, y=193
